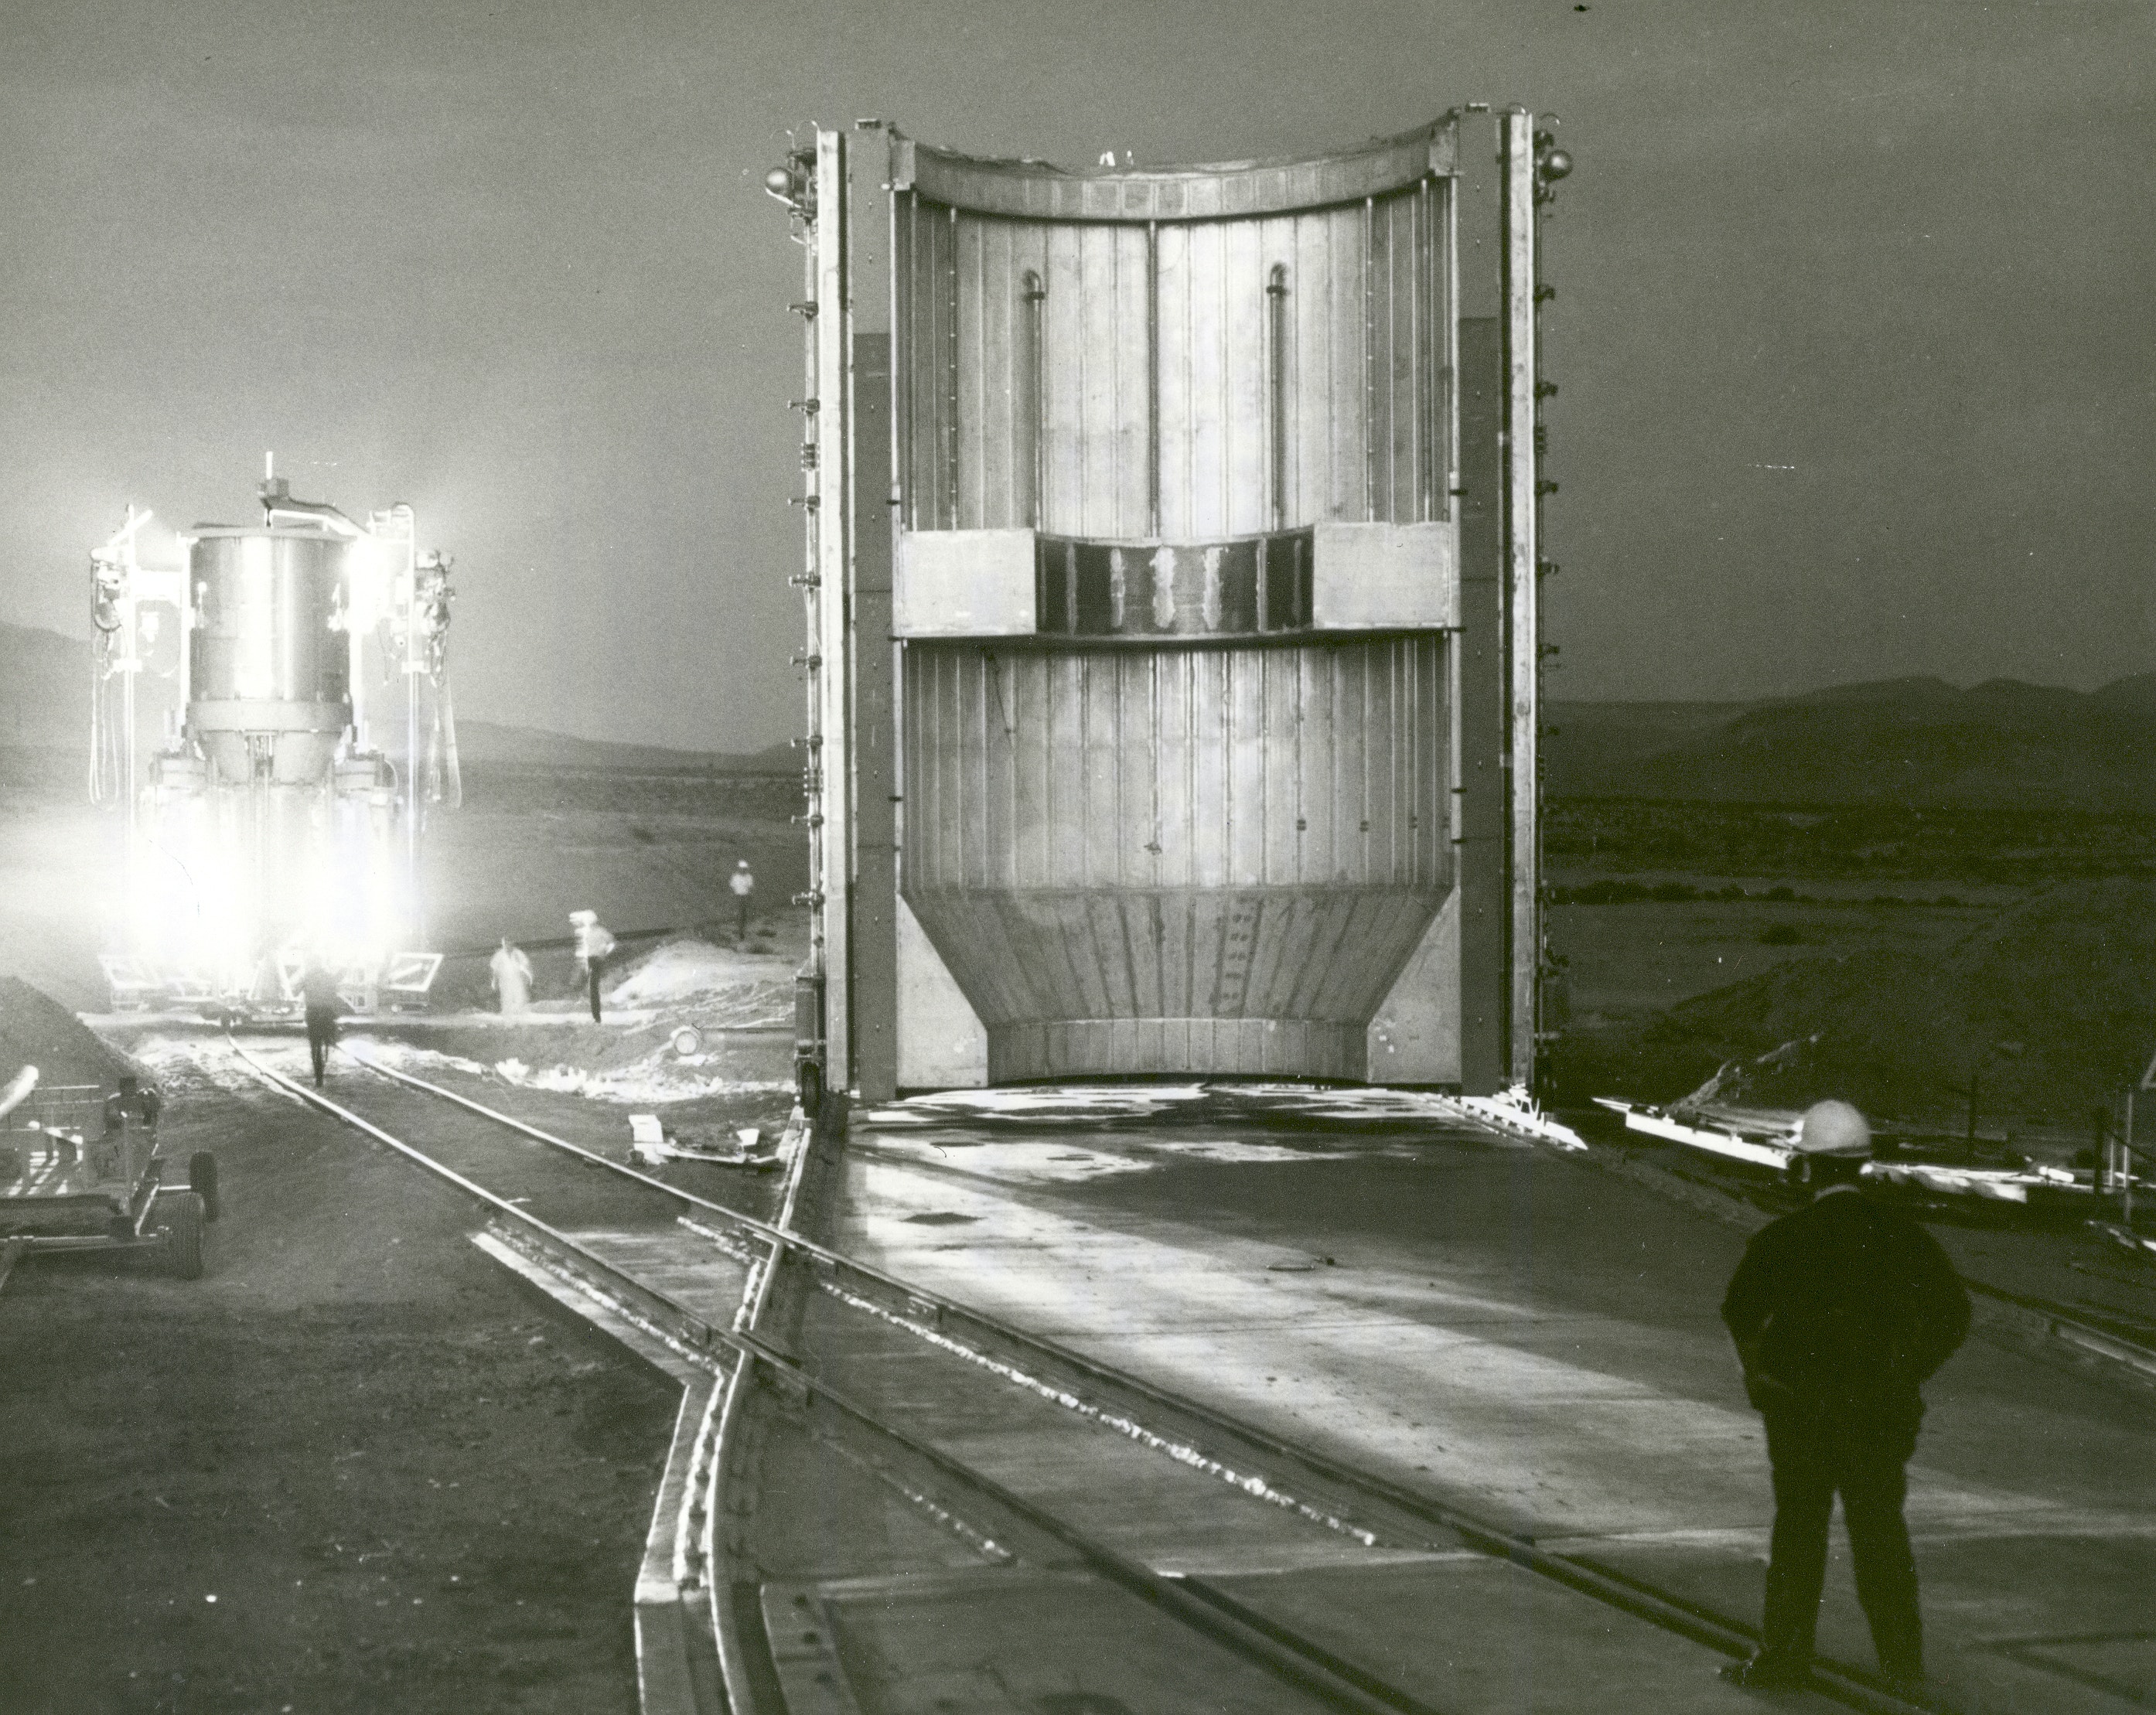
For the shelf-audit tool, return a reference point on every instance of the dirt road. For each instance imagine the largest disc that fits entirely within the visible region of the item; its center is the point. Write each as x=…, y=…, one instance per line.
x=355, y=1467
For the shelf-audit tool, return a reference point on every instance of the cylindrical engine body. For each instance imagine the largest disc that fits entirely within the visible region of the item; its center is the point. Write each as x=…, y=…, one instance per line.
x=270, y=840
x=271, y=670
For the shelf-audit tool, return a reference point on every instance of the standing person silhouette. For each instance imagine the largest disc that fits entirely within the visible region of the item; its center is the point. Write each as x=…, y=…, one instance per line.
x=594, y=945
x=1840, y=1311
x=318, y=990
x=742, y=882
x=511, y=968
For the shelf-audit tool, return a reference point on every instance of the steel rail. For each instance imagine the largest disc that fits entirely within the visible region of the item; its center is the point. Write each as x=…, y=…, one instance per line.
x=1277, y=1649
x=690, y=1336
x=1845, y=1682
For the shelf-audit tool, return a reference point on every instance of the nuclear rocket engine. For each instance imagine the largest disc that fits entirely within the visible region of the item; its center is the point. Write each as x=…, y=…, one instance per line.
x=308, y=733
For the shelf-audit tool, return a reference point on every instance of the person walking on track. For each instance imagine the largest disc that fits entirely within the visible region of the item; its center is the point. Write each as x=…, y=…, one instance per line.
x=742, y=882
x=594, y=945
x=318, y=991
x=1840, y=1311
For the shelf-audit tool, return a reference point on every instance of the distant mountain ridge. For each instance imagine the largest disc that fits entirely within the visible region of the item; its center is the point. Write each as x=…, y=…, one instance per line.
x=45, y=689
x=44, y=706
x=1918, y=739
x=484, y=741
x=1915, y=740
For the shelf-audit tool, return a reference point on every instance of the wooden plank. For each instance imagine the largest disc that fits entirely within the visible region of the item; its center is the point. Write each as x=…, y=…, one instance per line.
x=1280, y=747
x=1278, y=940
x=1349, y=334
x=1433, y=869
x=1244, y=718
x=1314, y=489
x=1383, y=378
x=1205, y=503
x=1352, y=741
x=1066, y=770
x=1183, y=408
x=1026, y=679
x=1134, y=444
x=1138, y=763
x=1320, y=847
x=1099, y=375
x=1245, y=410
x=996, y=391
x=1103, y=755
x=971, y=384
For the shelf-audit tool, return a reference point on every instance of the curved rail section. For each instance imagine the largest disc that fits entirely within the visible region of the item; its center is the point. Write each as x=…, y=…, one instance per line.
x=720, y=1484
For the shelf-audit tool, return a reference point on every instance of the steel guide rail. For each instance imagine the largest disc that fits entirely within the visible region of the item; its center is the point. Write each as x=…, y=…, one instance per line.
x=560, y=1258
x=1316, y=1486
x=839, y=1418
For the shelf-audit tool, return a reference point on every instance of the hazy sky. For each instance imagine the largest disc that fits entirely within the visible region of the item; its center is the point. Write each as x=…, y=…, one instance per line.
x=1853, y=326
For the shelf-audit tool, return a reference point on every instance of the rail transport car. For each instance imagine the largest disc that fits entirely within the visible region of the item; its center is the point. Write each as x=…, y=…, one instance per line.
x=1171, y=575
x=272, y=722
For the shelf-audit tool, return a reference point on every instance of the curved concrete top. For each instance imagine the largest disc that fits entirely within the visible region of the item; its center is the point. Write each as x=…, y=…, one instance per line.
x=1039, y=190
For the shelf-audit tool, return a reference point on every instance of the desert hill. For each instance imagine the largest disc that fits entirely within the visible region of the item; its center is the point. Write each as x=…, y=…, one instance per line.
x=1918, y=741
x=2049, y=1002
x=44, y=706
x=45, y=689
x=487, y=742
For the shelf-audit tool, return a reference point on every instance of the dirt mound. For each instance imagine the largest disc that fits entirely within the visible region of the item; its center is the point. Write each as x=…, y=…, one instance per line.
x=687, y=1021
x=696, y=975
x=2051, y=1006
x=37, y=1030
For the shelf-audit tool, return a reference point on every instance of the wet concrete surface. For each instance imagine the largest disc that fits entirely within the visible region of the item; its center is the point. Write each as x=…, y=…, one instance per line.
x=1518, y=1334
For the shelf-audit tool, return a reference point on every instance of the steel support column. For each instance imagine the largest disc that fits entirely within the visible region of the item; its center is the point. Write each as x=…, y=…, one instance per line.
x=832, y=483
x=1524, y=615
x=853, y=816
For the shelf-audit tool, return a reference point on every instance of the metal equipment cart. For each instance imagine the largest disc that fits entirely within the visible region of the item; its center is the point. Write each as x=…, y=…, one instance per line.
x=80, y=1169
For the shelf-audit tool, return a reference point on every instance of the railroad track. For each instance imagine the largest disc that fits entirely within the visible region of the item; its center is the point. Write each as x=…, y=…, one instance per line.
x=1008, y=1450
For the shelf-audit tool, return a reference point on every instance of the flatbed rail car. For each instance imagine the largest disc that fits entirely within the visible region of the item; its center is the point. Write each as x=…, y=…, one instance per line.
x=82, y=1170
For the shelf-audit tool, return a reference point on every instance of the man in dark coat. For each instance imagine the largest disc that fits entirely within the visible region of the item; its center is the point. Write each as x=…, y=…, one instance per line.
x=1840, y=1311
x=318, y=989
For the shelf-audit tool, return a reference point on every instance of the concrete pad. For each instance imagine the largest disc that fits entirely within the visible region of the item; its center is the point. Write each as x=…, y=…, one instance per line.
x=2014, y=1623
x=1117, y=1489
x=1071, y=1644
x=1452, y=1399
x=812, y=1514
x=692, y=1272
x=1494, y=1345
x=1475, y=1635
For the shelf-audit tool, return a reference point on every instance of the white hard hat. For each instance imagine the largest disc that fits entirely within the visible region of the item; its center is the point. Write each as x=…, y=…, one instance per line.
x=1833, y=1127
x=742, y=865
x=583, y=916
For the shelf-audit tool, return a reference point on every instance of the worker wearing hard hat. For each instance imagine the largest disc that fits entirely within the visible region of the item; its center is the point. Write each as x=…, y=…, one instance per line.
x=1840, y=1311
x=595, y=945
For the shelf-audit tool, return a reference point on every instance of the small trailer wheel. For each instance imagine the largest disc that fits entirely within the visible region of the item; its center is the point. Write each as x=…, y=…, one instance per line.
x=182, y=1215
x=201, y=1180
